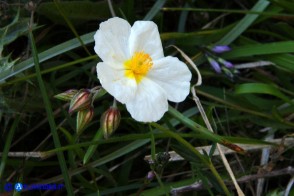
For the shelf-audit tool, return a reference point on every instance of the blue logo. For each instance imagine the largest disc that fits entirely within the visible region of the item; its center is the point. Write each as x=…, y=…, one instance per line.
x=8, y=187
x=18, y=187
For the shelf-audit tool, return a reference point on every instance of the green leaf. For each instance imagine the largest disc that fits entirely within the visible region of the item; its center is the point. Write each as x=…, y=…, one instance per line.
x=12, y=31
x=261, y=49
x=287, y=5
x=154, y=10
x=243, y=24
x=285, y=61
x=105, y=159
x=261, y=89
x=186, y=154
x=7, y=146
x=50, y=115
x=52, y=52
x=284, y=29
x=159, y=191
x=5, y=63
x=77, y=12
x=91, y=150
x=194, y=38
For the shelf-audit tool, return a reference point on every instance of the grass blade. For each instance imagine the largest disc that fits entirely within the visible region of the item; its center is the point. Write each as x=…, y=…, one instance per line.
x=93, y=148
x=261, y=89
x=50, y=116
x=7, y=145
x=261, y=49
x=243, y=24
x=155, y=8
x=204, y=131
x=112, y=156
x=205, y=161
x=43, y=56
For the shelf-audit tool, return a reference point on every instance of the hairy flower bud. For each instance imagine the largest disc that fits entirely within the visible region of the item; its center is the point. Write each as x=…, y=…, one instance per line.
x=110, y=121
x=67, y=95
x=82, y=100
x=84, y=117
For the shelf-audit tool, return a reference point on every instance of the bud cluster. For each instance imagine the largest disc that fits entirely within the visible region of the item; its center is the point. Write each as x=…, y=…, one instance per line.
x=216, y=61
x=81, y=101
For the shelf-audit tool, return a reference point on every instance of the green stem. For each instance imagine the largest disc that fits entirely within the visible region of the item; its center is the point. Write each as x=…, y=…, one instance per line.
x=70, y=25
x=153, y=156
x=49, y=112
x=153, y=152
x=7, y=145
x=194, y=126
x=219, y=179
x=205, y=160
x=238, y=107
x=160, y=183
x=92, y=149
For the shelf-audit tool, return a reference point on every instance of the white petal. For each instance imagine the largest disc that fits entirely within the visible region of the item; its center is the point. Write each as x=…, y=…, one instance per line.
x=115, y=83
x=145, y=38
x=111, y=40
x=149, y=103
x=173, y=76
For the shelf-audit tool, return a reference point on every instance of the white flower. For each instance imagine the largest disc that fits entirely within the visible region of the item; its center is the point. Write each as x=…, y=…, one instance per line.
x=135, y=71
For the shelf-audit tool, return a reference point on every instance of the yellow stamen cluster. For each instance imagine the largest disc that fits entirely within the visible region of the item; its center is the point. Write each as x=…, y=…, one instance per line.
x=138, y=66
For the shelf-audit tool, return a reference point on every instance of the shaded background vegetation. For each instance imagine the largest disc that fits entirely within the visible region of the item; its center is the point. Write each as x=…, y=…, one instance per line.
x=249, y=103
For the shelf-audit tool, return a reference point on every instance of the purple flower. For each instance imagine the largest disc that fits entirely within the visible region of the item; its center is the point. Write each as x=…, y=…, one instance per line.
x=220, y=49
x=214, y=64
x=150, y=175
x=228, y=64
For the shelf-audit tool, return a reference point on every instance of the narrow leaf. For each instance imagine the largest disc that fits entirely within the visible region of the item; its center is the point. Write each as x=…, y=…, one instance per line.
x=243, y=24
x=154, y=10
x=260, y=88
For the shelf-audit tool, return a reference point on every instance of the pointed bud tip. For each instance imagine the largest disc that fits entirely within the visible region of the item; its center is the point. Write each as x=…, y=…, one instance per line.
x=110, y=121
x=67, y=95
x=84, y=117
x=215, y=65
x=82, y=100
x=228, y=64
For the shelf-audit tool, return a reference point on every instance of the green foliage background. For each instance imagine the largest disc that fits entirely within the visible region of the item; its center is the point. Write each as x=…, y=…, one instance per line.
x=58, y=55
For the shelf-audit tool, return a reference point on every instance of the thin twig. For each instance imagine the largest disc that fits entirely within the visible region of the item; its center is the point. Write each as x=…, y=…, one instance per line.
x=247, y=147
x=26, y=154
x=253, y=64
x=224, y=159
x=265, y=157
x=244, y=179
x=189, y=60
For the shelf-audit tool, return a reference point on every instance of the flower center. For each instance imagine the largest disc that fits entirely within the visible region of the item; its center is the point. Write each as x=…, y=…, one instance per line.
x=138, y=66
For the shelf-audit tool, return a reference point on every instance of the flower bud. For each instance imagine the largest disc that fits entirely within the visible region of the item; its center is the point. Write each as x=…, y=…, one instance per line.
x=150, y=175
x=110, y=121
x=220, y=49
x=214, y=64
x=162, y=158
x=67, y=95
x=82, y=100
x=228, y=64
x=84, y=117
x=31, y=6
